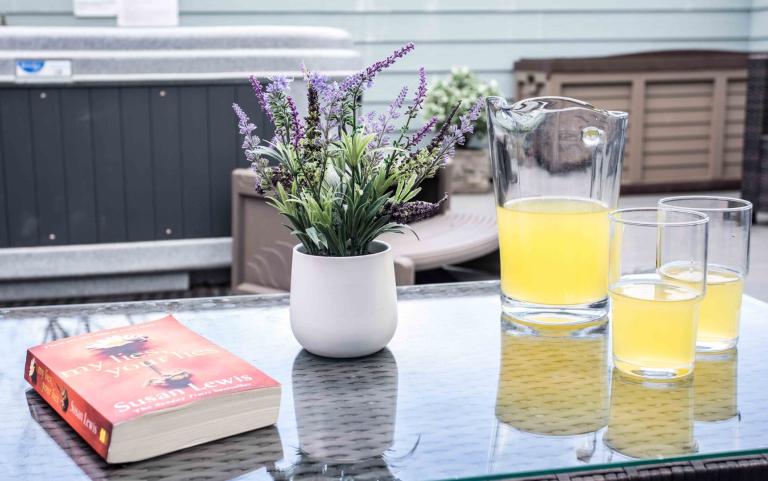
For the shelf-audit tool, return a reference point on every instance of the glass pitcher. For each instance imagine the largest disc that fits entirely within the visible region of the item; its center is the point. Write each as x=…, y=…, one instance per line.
x=556, y=167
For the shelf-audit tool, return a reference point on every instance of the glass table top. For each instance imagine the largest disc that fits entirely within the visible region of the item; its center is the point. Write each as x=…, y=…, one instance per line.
x=457, y=394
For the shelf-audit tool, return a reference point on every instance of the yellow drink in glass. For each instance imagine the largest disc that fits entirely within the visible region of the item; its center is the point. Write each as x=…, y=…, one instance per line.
x=554, y=250
x=721, y=307
x=654, y=328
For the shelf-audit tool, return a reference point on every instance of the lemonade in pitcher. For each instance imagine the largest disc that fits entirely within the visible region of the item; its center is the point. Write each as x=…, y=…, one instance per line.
x=554, y=250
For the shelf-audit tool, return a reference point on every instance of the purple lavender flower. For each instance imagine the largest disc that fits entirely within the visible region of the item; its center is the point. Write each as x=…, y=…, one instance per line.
x=246, y=127
x=455, y=137
x=368, y=121
x=250, y=141
x=330, y=99
x=261, y=97
x=421, y=133
x=327, y=91
x=467, y=121
x=330, y=92
x=378, y=124
x=458, y=134
x=278, y=83
x=421, y=92
x=296, y=124
x=384, y=124
x=397, y=104
x=366, y=76
x=383, y=127
x=320, y=82
x=413, y=211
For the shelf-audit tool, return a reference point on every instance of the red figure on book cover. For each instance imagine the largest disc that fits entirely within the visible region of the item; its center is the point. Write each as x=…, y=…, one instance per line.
x=98, y=380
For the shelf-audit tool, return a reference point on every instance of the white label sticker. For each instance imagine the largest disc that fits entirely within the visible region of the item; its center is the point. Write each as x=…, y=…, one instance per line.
x=147, y=13
x=43, y=70
x=95, y=8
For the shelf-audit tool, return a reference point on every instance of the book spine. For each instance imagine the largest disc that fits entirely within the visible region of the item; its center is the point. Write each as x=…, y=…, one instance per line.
x=94, y=428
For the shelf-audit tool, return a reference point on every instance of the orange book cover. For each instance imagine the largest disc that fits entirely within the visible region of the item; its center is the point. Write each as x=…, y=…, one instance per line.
x=98, y=380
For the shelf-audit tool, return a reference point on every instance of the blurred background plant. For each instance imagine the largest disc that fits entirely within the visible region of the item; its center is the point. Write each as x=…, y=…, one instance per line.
x=461, y=86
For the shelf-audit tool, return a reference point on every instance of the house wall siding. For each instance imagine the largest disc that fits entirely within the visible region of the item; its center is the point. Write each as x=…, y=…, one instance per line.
x=485, y=35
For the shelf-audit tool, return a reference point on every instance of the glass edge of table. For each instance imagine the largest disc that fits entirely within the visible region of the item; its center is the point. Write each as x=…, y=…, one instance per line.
x=404, y=293
x=608, y=468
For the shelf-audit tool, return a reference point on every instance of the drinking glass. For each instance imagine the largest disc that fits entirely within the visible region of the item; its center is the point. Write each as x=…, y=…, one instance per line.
x=727, y=265
x=653, y=319
x=556, y=169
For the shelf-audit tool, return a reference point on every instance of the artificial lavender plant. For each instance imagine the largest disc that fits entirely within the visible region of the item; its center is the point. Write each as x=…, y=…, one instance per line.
x=341, y=178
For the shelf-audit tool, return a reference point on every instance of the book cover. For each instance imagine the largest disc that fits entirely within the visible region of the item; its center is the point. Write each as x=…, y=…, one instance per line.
x=98, y=380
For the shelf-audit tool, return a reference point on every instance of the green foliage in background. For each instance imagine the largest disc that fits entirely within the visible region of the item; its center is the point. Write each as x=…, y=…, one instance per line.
x=461, y=86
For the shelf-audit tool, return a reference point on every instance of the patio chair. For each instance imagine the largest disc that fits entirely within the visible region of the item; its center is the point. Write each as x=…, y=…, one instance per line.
x=261, y=245
x=754, y=185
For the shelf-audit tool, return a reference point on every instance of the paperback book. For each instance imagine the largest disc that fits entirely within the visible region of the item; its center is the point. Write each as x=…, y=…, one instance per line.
x=143, y=390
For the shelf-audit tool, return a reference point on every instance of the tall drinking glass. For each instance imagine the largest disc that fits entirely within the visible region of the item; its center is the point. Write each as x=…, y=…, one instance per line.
x=728, y=263
x=556, y=168
x=654, y=319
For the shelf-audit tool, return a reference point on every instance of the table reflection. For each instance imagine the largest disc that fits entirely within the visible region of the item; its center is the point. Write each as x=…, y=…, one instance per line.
x=555, y=386
x=714, y=386
x=345, y=416
x=55, y=331
x=218, y=460
x=650, y=419
x=552, y=385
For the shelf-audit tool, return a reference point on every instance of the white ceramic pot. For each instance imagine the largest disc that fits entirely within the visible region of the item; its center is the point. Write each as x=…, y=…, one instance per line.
x=344, y=306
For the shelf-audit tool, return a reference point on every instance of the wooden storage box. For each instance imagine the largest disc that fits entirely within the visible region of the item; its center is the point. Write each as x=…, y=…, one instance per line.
x=686, y=111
